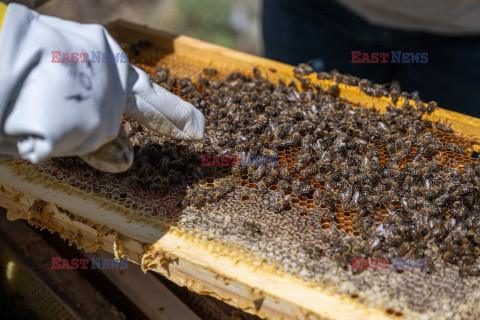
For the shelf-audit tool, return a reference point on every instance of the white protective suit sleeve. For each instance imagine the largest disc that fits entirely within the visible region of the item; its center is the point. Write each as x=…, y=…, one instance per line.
x=63, y=109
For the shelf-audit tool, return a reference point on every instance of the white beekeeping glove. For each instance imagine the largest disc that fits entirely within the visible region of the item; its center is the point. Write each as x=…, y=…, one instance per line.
x=64, y=109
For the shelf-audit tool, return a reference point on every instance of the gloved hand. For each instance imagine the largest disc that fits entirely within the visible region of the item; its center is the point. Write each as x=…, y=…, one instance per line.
x=51, y=109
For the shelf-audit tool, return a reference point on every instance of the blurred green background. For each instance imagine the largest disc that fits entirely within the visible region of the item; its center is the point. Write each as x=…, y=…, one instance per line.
x=231, y=23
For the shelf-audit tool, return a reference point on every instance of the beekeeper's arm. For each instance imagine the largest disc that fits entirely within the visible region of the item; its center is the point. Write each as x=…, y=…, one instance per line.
x=49, y=107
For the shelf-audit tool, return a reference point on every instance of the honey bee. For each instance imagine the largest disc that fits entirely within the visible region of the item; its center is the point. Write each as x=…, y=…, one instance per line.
x=273, y=172
x=210, y=71
x=285, y=175
x=253, y=227
x=296, y=138
x=317, y=195
x=319, y=177
x=443, y=127
x=454, y=148
x=324, y=75
x=297, y=167
x=184, y=82
x=279, y=131
x=420, y=105
x=187, y=200
x=284, y=184
x=262, y=187
x=198, y=148
x=269, y=153
x=258, y=173
x=450, y=257
x=287, y=142
x=440, y=201
x=303, y=173
x=313, y=169
x=432, y=106
x=333, y=90
x=202, y=81
x=256, y=72
x=304, y=189
x=169, y=84
x=214, y=195
x=303, y=69
x=161, y=75
x=304, y=81
x=236, y=170
x=394, y=95
x=296, y=186
x=199, y=200
x=344, y=169
x=304, y=158
x=270, y=179
x=306, y=142
x=279, y=203
x=335, y=175
x=241, y=147
x=403, y=249
x=251, y=169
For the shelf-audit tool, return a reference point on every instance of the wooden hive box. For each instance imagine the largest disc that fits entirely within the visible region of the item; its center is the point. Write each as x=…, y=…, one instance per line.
x=93, y=220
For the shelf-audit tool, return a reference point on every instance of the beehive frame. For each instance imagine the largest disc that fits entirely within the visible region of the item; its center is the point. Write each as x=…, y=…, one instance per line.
x=95, y=223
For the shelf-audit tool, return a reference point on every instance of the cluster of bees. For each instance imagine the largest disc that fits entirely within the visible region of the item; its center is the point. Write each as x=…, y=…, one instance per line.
x=388, y=167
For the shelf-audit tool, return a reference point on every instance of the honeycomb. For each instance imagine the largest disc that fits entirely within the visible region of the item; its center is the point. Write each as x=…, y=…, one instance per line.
x=307, y=237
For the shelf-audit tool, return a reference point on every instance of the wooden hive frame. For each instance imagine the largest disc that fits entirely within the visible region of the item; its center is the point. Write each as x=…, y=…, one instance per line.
x=94, y=223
